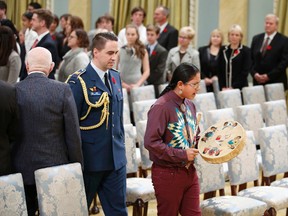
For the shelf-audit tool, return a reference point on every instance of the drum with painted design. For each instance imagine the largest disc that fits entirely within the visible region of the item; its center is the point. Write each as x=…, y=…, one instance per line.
x=222, y=142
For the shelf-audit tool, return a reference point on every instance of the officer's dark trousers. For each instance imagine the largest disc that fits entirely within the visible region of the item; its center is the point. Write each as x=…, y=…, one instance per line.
x=111, y=188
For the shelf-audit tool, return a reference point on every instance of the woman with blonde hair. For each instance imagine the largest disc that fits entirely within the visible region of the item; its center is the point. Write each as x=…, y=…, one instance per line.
x=131, y=58
x=234, y=61
x=209, y=58
x=184, y=52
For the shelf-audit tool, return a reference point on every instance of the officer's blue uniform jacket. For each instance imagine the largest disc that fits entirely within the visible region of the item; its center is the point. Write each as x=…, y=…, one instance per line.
x=103, y=147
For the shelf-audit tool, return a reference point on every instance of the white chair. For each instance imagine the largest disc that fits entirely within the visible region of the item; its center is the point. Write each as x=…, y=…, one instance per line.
x=250, y=117
x=139, y=190
x=162, y=87
x=211, y=178
x=142, y=93
x=12, y=195
x=125, y=96
x=146, y=163
x=126, y=114
x=253, y=95
x=274, y=91
x=214, y=116
x=141, y=108
x=230, y=98
x=203, y=103
x=60, y=190
x=203, y=88
x=275, y=112
x=274, y=150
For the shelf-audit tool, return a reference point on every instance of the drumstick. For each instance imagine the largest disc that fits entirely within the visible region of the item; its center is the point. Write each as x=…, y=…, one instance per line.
x=198, y=119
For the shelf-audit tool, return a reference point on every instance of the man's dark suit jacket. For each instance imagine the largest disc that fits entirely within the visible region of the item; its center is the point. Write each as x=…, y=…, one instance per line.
x=8, y=125
x=49, y=126
x=168, y=37
x=157, y=62
x=48, y=43
x=274, y=61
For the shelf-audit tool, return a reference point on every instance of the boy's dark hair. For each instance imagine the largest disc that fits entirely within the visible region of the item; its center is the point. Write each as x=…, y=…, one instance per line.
x=153, y=28
x=35, y=5
x=136, y=9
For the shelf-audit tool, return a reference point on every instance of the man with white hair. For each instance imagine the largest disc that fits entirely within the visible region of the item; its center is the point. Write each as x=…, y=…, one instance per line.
x=269, y=54
x=49, y=126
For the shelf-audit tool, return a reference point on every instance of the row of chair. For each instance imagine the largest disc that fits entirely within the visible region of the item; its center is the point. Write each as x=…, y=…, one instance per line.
x=60, y=191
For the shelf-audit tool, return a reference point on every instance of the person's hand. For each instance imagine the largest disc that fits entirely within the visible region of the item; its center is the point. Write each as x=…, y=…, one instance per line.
x=191, y=153
x=134, y=85
x=257, y=77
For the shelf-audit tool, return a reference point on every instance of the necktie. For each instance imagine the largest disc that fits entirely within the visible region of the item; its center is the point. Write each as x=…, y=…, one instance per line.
x=107, y=82
x=264, y=47
x=34, y=44
x=148, y=50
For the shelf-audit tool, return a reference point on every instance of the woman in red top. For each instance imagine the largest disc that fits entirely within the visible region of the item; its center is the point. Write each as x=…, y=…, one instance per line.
x=171, y=136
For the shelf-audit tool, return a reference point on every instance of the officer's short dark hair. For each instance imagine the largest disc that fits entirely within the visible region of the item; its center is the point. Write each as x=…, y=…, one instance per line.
x=100, y=40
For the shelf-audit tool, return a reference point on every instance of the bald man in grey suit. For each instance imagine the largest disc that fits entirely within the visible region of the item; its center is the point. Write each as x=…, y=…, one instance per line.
x=49, y=125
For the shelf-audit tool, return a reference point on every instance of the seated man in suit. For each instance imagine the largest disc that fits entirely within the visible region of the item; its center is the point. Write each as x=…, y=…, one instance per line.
x=269, y=54
x=8, y=125
x=157, y=58
x=168, y=34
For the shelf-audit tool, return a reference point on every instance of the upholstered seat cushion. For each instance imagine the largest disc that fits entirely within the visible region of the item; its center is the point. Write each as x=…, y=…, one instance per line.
x=276, y=197
x=139, y=188
x=232, y=205
x=280, y=183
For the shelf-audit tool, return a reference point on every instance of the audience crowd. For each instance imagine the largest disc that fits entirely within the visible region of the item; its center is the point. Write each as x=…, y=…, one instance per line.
x=147, y=55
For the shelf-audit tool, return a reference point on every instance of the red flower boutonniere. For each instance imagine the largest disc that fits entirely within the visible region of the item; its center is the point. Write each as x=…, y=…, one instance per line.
x=165, y=30
x=235, y=52
x=113, y=80
x=153, y=53
x=269, y=47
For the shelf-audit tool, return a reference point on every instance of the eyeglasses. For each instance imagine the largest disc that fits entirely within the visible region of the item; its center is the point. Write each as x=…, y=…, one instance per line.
x=194, y=85
x=183, y=37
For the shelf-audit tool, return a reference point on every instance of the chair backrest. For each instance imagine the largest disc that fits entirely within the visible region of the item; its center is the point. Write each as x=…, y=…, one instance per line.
x=203, y=103
x=141, y=108
x=60, y=190
x=274, y=91
x=214, y=116
x=230, y=98
x=142, y=93
x=12, y=195
x=161, y=87
x=244, y=167
x=250, y=117
x=126, y=114
x=215, y=84
x=130, y=146
x=125, y=96
x=203, y=88
x=275, y=112
x=274, y=150
x=211, y=176
x=253, y=94
x=141, y=128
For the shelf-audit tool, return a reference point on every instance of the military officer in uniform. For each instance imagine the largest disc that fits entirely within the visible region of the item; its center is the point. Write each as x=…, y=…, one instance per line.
x=98, y=94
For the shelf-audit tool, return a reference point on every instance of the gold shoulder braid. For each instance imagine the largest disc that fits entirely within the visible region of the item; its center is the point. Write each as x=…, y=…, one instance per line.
x=104, y=100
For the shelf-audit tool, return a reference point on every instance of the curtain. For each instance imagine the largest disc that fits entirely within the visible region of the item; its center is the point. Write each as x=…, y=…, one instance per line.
x=282, y=13
x=15, y=9
x=179, y=11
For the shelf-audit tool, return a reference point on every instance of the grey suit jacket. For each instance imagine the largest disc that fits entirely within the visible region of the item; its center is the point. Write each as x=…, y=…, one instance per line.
x=173, y=59
x=49, y=126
